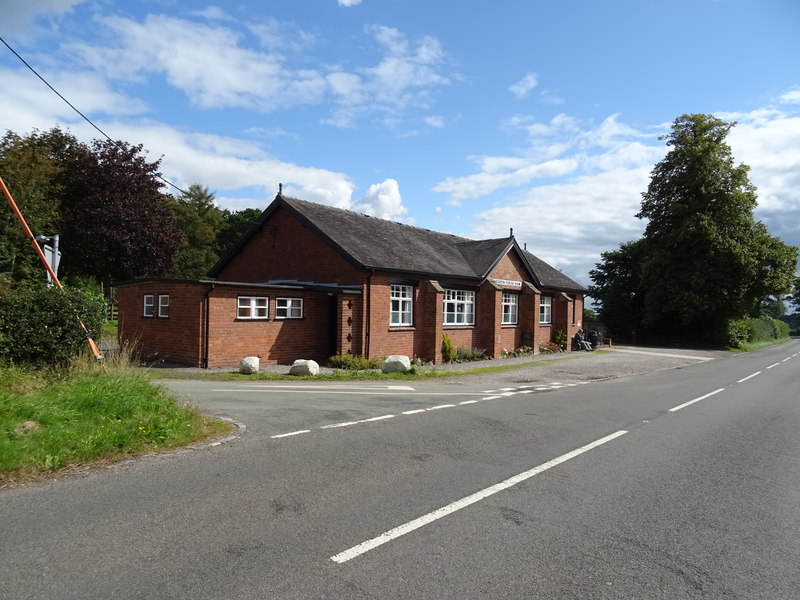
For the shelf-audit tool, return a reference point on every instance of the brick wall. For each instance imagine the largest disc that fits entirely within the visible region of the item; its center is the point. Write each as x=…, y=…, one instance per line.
x=284, y=248
x=274, y=341
x=176, y=338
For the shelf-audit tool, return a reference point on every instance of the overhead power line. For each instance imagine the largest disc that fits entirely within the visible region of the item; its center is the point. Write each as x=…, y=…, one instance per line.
x=72, y=106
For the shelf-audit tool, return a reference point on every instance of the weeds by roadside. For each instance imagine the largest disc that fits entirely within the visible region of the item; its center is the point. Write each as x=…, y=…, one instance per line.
x=59, y=418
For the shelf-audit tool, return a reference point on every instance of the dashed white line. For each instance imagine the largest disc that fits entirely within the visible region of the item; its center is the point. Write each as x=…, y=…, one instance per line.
x=685, y=404
x=283, y=435
x=468, y=402
x=774, y=365
x=749, y=377
x=437, y=514
x=440, y=406
x=413, y=412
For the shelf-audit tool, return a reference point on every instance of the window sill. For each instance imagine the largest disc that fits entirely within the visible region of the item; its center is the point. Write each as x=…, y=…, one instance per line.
x=402, y=328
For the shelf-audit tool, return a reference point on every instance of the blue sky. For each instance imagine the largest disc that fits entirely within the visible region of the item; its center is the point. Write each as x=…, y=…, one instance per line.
x=466, y=117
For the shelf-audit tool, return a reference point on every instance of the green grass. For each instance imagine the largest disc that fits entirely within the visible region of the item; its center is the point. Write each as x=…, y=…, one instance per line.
x=752, y=346
x=109, y=330
x=65, y=419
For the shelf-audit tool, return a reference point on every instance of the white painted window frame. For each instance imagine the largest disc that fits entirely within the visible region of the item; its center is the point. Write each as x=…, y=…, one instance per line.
x=401, y=305
x=459, y=307
x=252, y=308
x=288, y=308
x=510, y=308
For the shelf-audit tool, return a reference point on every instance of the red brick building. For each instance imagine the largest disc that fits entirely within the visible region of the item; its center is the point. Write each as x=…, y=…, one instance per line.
x=310, y=281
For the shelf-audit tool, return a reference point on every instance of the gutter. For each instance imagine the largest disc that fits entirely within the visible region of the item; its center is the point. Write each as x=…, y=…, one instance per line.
x=207, y=316
x=367, y=329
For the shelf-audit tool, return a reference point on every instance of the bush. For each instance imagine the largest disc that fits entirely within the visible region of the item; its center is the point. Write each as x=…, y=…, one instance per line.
x=353, y=362
x=754, y=330
x=448, y=350
x=738, y=333
x=560, y=338
x=38, y=324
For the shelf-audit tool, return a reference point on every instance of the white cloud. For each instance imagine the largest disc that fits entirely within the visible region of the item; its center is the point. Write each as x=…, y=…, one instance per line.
x=19, y=14
x=206, y=62
x=523, y=87
x=435, y=121
x=382, y=200
x=591, y=208
x=405, y=77
x=349, y=2
x=791, y=97
x=24, y=99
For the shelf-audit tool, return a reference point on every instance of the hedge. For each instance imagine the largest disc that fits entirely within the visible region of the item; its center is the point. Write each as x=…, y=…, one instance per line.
x=759, y=329
x=38, y=324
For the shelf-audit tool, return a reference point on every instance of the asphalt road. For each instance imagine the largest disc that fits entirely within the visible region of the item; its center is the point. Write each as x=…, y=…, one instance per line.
x=684, y=483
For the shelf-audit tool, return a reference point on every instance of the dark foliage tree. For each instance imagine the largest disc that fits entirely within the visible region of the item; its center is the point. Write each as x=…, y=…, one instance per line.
x=617, y=288
x=116, y=222
x=794, y=295
x=200, y=221
x=32, y=168
x=704, y=259
x=236, y=224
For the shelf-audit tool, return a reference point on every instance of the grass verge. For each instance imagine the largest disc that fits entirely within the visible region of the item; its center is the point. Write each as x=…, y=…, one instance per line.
x=60, y=420
x=415, y=374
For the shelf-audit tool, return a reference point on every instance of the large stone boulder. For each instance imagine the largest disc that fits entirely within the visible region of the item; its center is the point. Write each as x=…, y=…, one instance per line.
x=304, y=367
x=396, y=363
x=249, y=365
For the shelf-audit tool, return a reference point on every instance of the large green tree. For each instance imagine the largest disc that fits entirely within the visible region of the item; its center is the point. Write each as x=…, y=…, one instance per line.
x=32, y=168
x=617, y=288
x=703, y=259
x=116, y=222
x=200, y=221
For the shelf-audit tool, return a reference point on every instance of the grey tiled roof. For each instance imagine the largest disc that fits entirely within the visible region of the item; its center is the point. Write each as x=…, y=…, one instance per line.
x=551, y=277
x=380, y=244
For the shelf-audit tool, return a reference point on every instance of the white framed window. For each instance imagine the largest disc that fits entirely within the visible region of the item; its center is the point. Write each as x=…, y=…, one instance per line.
x=147, y=305
x=163, y=306
x=401, y=303
x=459, y=307
x=252, y=307
x=510, y=304
x=545, y=310
x=288, y=308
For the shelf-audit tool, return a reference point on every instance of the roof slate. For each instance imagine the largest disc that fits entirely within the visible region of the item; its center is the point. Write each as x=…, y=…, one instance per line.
x=380, y=244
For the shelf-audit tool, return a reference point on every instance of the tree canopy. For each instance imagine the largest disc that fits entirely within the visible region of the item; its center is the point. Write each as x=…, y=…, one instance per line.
x=107, y=202
x=703, y=259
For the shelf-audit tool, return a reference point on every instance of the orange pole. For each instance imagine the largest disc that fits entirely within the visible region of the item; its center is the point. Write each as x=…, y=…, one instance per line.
x=92, y=346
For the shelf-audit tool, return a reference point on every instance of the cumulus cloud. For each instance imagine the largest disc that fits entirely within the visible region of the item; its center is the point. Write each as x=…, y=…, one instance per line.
x=208, y=59
x=19, y=14
x=349, y=2
x=523, y=87
x=204, y=61
x=407, y=76
x=382, y=200
x=598, y=174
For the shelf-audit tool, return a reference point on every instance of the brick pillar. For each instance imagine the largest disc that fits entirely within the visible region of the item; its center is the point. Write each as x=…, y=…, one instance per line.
x=432, y=320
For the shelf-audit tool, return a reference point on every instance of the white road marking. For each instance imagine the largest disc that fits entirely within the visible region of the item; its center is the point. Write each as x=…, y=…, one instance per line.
x=468, y=402
x=749, y=377
x=441, y=406
x=324, y=386
x=414, y=412
x=775, y=365
x=283, y=435
x=789, y=358
x=685, y=404
x=437, y=514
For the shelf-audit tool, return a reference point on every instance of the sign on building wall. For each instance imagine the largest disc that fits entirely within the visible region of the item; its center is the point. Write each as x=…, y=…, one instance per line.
x=508, y=283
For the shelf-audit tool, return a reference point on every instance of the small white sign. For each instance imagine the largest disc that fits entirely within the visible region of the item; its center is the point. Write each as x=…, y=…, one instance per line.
x=508, y=283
